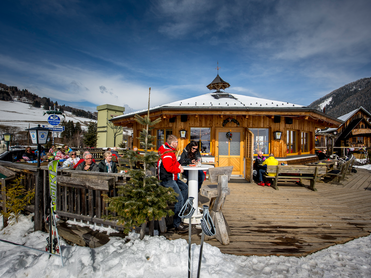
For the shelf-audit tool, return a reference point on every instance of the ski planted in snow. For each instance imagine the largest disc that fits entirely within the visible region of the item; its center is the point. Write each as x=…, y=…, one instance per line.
x=53, y=241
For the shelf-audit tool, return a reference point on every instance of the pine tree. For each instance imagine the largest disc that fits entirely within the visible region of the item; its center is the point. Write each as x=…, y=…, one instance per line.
x=90, y=137
x=142, y=199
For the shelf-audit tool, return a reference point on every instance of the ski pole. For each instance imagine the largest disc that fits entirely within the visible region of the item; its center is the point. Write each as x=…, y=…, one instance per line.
x=186, y=213
x=38, y=250
x=208, y=228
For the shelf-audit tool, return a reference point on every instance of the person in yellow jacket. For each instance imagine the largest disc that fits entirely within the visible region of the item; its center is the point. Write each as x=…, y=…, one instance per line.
x=269, y=161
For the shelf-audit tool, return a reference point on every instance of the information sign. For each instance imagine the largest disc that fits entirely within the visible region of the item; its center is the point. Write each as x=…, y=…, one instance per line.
x=54, y=120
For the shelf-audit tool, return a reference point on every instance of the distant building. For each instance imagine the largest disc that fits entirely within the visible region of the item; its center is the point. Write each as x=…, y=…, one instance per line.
x=106, y=134
x=354, y=131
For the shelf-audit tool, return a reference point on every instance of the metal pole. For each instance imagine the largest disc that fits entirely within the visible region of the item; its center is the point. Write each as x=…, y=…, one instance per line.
x=38, y=156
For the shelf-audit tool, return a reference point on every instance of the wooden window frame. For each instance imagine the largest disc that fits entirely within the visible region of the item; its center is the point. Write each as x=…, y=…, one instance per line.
x=303, y=143
x=165, y=130
x=267, y=141
x=199, y=147
x=290, y=141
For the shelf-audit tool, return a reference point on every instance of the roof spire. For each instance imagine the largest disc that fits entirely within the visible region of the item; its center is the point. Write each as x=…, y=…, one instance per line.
x=217, y=67
x=218, y=83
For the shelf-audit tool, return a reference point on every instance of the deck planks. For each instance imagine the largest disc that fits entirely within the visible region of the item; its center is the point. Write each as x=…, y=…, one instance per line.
x=294, y=221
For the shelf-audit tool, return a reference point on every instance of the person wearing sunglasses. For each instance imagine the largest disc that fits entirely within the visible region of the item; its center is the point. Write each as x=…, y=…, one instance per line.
x=71, y=161
x=191, y=155
x=88, y=164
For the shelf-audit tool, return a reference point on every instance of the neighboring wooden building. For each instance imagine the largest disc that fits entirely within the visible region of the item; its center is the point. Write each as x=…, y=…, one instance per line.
x=354, y=131
x=231, y=128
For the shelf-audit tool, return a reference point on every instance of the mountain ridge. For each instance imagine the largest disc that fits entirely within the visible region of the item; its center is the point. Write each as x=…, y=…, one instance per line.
x=346, y=98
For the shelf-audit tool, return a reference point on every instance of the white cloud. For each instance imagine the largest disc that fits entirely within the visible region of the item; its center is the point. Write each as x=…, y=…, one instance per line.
x=75, y=84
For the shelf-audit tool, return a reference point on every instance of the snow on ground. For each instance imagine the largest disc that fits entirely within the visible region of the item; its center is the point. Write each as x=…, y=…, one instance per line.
x=23, y=115
x=159, y=257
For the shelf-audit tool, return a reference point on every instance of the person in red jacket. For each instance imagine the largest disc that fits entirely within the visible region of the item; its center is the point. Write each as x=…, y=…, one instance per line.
x=168, y=169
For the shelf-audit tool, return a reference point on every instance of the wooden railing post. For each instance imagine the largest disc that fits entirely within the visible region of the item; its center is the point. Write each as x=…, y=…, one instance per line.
x=3, y=194
x=39, y=201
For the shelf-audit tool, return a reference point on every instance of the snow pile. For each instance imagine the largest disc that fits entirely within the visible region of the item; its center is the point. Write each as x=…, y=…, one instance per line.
x=94, y=227
x=159, y=257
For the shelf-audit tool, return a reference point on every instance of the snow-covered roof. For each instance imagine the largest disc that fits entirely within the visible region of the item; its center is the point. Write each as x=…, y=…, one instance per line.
x=347, y=116
x=222, y=100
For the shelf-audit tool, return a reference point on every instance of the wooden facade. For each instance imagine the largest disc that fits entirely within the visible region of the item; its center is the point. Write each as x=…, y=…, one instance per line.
x=353, y=132
x=221, y=114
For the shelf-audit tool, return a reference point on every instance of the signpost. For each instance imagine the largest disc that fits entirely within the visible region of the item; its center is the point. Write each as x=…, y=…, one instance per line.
x=54, y=120
x=54, y=128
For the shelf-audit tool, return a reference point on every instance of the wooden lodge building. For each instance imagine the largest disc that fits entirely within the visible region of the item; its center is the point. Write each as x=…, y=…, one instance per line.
x=353, y=132
x=232, y=128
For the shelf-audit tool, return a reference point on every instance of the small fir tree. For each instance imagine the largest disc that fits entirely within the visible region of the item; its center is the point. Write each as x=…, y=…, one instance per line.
x=17, y=198
x=142, y=199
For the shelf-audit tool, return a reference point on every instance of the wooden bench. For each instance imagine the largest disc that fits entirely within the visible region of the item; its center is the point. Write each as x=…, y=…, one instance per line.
x=340, y=173
x=217, y=194
x=296, y=172
x=352, y=160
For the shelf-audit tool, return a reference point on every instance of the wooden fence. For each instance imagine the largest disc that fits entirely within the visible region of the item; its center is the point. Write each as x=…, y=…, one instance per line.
x=80, y=194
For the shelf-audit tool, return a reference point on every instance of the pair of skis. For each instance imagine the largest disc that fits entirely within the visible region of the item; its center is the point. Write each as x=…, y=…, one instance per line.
x=53, y=241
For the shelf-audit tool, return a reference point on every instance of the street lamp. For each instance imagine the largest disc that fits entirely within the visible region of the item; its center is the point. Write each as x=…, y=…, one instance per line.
x=39, y=135
x=7, y=139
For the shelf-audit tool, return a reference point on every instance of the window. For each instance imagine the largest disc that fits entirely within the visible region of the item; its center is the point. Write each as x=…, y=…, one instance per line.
x=202, y=137
x=304, y=142
x=161, y=135
x=292, y=145
x=261, y=140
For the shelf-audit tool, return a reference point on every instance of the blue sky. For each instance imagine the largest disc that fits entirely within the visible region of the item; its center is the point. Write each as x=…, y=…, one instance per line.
x=89, y=53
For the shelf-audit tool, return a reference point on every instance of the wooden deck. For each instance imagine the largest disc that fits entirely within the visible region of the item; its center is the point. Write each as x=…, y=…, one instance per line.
x=294, y=221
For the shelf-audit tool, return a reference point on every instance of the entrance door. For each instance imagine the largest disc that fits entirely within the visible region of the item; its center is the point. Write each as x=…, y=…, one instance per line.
x=229, y=151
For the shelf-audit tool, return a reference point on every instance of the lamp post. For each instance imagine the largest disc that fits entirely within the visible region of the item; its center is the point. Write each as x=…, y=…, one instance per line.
x=39, y=135
x=7, y=139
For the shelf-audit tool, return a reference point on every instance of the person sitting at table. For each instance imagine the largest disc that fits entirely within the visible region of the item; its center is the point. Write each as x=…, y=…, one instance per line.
x=82, y=160
x=107, y=165
x=262, y=171
x=114, y=154
x=258, y=163
x=88, y=164
x=48, y=157
x=52, y=149
x=71, y=161
x=322, y=155
x=59, y=155
x=66, y=149
x=29, y=155
x=191, y=155
x=168, y=169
